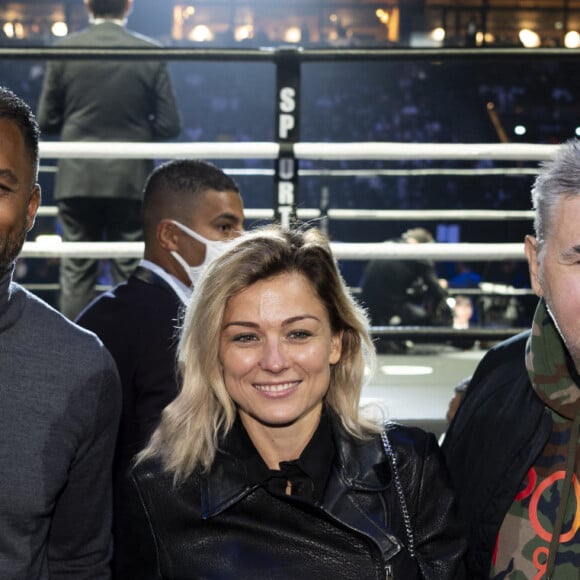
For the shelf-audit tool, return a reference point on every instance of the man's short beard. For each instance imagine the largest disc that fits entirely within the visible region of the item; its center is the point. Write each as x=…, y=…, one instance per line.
x=10, y=249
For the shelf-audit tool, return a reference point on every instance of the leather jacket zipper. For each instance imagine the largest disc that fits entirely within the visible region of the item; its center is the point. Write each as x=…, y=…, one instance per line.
x=389, y=575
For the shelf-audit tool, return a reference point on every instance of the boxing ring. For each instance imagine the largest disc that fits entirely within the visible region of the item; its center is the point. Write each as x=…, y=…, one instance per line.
x=414, y=387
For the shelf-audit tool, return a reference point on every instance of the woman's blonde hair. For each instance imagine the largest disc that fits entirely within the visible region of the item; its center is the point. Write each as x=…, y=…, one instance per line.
x=193, y=424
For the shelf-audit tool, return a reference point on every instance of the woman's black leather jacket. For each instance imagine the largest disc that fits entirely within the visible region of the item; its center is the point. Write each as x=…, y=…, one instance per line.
x=218, y=526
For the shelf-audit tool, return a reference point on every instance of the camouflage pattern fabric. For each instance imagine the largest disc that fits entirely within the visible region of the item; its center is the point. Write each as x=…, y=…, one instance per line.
x=523, y=541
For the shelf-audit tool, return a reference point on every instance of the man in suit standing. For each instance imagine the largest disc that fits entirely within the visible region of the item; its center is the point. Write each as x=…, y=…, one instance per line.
x=60, y=400
x=189, y=209
x=101, y=100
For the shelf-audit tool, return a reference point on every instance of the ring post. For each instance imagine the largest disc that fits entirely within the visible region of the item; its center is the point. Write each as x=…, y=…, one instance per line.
x=287, y=134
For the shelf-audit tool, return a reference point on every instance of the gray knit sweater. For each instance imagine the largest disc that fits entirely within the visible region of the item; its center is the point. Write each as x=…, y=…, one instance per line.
x=59, y=412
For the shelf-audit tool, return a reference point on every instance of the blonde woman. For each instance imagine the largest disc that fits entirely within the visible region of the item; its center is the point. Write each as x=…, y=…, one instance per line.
x=263, y=467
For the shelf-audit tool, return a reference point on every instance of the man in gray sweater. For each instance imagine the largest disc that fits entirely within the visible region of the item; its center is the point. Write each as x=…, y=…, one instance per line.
x=59, y=401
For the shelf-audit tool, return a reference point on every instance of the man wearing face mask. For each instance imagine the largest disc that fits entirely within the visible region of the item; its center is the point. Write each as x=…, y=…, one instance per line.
x=190, y=209
x=212, y=250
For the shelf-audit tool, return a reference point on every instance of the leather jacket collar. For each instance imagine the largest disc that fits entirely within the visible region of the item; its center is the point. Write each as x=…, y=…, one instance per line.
x=359, y=466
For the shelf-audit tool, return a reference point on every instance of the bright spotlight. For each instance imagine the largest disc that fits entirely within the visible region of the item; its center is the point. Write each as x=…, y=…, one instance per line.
x=293, y=35
x=577, y=131
x=201, y=33
x=59, y=28
x=382, y=15
x=572, y=39
x=529, y=38
x=438, y=34
x=8, y=29
x=243, y=32
x=480, y=38
x=520, y=130
x=18, y=30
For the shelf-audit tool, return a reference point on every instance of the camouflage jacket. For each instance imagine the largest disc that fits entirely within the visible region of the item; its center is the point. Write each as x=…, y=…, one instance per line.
x=525, y=542
x=500, y=429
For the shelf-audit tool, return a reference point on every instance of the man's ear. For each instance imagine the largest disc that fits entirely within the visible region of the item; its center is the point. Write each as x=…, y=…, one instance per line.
x=167, y=234
x=32, y=207
x=531, y=247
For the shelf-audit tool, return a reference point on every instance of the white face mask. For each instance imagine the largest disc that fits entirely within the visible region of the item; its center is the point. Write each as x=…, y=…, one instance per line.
x=213, y=249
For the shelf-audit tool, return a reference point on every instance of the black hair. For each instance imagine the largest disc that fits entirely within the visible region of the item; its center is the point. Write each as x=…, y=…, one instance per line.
x=12, y=107
x=172, y=186
x=107, y=8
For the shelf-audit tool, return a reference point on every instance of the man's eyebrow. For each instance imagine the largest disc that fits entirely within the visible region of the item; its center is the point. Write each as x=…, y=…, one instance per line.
x=227, y=216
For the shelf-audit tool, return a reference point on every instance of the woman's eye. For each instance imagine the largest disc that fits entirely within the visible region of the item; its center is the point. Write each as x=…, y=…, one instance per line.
x=244, y=338
x=300, y=334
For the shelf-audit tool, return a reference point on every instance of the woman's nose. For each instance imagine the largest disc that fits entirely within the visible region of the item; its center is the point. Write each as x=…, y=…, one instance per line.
x=273, y=357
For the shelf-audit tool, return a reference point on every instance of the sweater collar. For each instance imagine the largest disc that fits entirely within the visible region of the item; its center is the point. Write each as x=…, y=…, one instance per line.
x=5, y=279
x=8, y=315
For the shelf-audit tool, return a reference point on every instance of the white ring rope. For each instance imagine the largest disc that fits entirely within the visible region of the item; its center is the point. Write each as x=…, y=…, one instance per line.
x=342, y=251
x=323, y=151
x=132, y=150
x=375, y=214
x=505, y=172
x=254, y=172
x=429, y=214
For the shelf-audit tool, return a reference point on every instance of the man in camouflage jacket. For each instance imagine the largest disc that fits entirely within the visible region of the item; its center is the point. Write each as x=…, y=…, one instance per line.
x=512, y=449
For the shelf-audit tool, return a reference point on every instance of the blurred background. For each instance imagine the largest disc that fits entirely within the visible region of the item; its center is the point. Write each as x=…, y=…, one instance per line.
x=459, y=100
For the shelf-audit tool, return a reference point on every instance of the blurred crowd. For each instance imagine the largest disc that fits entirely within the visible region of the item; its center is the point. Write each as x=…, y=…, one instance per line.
x=382, y=101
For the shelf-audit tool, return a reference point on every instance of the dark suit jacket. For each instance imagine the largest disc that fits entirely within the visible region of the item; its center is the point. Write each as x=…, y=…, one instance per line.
x=107, y=100
x=500, y=429
x=137, y=321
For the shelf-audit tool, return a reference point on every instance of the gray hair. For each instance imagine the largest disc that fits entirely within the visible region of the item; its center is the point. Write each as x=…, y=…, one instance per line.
x=558, y=179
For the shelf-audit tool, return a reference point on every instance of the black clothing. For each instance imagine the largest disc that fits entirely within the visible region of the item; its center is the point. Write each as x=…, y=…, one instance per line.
x=308, y=474
x=137, y=321
x=107, y=100
x=488, y=448
x=104, y=100
x=404, y=293
x=217, y=525
x=84, y=219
